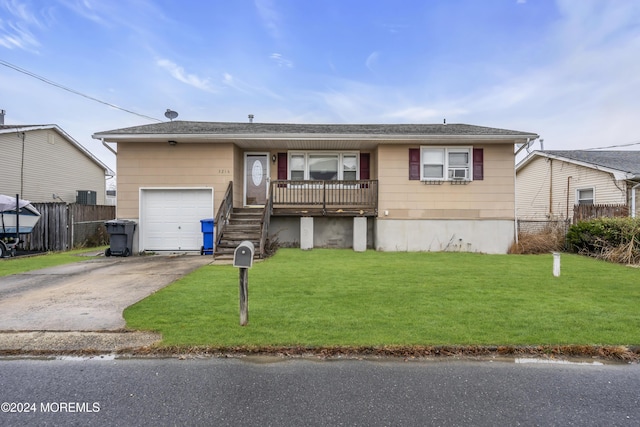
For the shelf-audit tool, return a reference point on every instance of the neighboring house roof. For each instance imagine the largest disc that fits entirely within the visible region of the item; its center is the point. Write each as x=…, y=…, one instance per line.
x=210, y=131
x=4, y=129
x=622, y=164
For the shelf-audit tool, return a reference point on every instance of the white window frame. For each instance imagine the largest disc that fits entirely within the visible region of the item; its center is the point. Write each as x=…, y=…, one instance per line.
x=579, y=190
x=446, y=168
x=340, y=154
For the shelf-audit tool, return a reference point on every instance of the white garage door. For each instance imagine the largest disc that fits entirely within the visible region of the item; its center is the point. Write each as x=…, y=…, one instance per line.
x=170, y=218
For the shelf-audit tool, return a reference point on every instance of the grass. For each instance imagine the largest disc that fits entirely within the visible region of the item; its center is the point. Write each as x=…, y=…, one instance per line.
x=343, y=298
x=18, y=265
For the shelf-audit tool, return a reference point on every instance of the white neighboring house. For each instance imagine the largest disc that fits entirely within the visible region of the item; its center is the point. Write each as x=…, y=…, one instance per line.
x=550, y=183
x=43, y=163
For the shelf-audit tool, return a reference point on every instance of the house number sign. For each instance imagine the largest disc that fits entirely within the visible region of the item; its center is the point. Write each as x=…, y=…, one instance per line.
x=256, y=173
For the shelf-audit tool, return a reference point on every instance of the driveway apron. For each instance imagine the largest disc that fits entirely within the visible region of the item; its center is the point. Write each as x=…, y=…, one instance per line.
x=89, y=295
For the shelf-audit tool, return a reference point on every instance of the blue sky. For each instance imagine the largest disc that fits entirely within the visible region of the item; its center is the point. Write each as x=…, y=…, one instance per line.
x=565, y=69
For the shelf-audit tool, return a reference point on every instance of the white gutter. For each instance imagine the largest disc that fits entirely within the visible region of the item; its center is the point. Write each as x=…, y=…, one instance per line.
x=211, y=137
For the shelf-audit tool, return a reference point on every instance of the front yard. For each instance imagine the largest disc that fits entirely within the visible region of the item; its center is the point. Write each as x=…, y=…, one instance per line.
x=342, y=298
x=23, y=264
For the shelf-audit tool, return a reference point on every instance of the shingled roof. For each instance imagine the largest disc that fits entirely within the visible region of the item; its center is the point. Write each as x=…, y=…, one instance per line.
x=624, y=161
x=223, y=128
x=4, y=129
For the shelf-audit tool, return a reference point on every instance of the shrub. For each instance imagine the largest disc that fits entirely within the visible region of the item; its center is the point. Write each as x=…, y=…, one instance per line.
x=612, y=239
x=549, y=239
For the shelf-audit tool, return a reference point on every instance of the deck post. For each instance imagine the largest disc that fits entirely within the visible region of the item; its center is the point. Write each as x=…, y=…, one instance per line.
x=359, y=234
x=306, y=232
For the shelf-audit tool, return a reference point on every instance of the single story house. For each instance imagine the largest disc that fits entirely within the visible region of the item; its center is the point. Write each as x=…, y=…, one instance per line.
x=551, y=182
x=43, y=164
x=390, y=187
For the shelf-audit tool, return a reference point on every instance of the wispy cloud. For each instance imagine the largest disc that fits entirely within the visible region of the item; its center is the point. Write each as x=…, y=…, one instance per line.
x=281, y=60
x=230, y=81
x=241, y=86
x=394, y=28
x=270, y=17
x=372, y=59
x=88, y=9
x=181, y=75
x=15, y=27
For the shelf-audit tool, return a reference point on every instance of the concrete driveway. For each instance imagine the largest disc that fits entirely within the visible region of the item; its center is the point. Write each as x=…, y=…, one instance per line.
x=89, y=295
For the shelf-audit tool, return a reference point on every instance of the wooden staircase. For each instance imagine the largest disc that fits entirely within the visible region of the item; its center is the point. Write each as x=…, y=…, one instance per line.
x=244, y=224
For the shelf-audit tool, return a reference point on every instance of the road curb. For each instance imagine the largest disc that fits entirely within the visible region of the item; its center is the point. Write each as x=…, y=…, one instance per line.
x=65, y=342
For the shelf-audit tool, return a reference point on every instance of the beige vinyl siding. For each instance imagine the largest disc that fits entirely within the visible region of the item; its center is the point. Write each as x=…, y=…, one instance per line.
x=490, y=198
x=532, y=190
x=10, y=144
x=51, y=165
x=569, y=177
x=148, y=164
x=547, y=188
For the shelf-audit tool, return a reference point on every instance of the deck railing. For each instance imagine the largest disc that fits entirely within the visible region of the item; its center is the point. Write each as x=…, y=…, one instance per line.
x=325, y=195
x=224, y=211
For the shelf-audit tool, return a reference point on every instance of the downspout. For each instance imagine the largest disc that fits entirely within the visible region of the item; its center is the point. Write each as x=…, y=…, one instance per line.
x=515, y=188
x=568, y=187
x=515, y=204
x=633, y=200
x=550, y=188
x=23, y=135
x=115, y=153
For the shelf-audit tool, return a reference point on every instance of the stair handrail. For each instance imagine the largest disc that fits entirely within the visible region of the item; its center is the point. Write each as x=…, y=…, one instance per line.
x=265, y=221
x=224, y=211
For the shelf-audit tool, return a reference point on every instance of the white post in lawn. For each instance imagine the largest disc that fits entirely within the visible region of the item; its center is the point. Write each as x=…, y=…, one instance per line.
x=556, y=264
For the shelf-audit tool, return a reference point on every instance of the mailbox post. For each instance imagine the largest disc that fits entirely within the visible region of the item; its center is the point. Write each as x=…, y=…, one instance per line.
x=243, y=259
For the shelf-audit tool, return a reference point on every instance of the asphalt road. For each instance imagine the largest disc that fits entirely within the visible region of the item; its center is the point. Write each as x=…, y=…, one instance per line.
x=89, y=295
x=285, y=392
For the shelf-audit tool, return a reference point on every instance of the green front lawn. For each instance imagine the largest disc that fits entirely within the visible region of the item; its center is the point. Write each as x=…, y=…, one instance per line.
x=343, y=298
x=22, y=264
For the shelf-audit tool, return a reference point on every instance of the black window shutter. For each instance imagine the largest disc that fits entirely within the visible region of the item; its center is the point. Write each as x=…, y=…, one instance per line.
x=414, y=163
x=478, y=164
x=364, y=166
x=282, y=166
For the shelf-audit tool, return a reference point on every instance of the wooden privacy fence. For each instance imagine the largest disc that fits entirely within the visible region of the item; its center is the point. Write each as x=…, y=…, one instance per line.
x=65, y=226
x=585, y=212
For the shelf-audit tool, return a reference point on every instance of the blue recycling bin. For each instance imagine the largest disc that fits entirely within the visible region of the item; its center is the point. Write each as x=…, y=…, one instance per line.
x=207, y=227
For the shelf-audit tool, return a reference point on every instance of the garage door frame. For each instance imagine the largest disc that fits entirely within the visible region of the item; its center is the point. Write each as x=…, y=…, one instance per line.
x=143, y=228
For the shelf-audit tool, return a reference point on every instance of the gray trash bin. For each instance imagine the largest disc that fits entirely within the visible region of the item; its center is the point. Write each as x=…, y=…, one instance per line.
x=120, y=237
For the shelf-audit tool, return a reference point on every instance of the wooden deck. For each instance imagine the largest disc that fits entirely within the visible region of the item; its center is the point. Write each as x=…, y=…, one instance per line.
x=324, y=198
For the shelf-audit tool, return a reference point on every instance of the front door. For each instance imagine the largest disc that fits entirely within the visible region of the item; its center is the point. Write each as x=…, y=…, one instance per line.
x=256, y=179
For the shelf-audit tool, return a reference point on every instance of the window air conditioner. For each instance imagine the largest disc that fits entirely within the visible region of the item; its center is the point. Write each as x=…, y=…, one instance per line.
x=458, y=173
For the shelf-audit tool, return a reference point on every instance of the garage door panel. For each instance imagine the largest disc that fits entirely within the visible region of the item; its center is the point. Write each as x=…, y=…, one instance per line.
x=171, y=218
